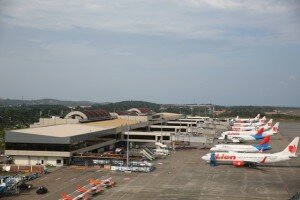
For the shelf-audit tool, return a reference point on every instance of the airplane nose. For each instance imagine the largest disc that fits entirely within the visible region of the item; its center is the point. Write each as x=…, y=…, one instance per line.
x=221, y=138
x=203, y=157
x=213, y=148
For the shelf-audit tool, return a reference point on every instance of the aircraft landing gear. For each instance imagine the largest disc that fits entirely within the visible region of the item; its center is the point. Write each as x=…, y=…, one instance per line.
x=251, y=165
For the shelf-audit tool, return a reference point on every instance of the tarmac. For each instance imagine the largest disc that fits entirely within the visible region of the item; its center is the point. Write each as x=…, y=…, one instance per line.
x=183, y=175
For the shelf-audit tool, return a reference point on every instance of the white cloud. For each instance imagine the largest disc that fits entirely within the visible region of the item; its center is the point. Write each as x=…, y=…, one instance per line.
x=260, y=21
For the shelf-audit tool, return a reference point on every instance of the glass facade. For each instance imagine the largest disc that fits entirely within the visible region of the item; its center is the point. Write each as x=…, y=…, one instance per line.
x=61, y=147
x=37, y=147
x=142, y=137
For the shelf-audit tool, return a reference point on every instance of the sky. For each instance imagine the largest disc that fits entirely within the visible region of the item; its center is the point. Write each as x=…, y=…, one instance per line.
x=225, y=52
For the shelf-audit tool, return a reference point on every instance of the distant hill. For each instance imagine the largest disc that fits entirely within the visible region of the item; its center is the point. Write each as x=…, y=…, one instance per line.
x=125, y=105
x=16, y=102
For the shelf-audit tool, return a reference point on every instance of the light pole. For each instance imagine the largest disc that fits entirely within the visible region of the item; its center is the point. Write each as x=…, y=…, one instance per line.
x=180, y=120
x=127, y=157
x=160, y=128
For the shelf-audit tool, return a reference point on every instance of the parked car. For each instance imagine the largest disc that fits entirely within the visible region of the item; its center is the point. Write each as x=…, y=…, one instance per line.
x=42, y=190
x=25, y=186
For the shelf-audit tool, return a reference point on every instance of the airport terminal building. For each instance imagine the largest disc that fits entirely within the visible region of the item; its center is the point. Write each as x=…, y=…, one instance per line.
x=54, y=141
x=54, y=145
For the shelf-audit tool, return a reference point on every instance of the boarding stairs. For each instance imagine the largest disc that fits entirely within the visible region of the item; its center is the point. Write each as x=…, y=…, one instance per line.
x=148, y=154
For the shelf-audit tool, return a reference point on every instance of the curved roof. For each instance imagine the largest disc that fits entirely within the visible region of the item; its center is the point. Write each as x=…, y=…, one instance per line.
x=76, y=115
x=140, y=111
x=145, y=110
x=89, y=115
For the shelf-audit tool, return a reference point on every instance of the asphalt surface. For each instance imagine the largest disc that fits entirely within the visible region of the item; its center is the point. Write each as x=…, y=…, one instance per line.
x=183, y=175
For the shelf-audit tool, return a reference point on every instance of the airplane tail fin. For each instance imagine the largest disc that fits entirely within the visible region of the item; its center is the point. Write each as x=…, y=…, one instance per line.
x=263, y=119
x=265, y=141
x=260, y=131
x=268, y=125
x=270, y=122
x=275, y=128
x=257, y=117
x=291, y=149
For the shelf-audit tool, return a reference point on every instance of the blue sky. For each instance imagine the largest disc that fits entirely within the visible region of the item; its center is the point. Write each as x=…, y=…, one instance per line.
x=228, y=52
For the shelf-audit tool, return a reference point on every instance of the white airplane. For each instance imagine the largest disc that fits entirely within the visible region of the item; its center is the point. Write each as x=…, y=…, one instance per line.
x=236, y=136
x=261, y=122
x=252, y=159
x=262, y=130
x=262, y=146
x=241, y=120
x=266, y=127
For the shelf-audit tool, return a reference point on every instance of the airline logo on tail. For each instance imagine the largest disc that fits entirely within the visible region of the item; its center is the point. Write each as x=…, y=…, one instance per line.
x=269, y=124
x=274, y=129
x=292, y=148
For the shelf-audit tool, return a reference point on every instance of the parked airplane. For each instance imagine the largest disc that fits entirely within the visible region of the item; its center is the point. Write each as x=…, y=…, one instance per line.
x=274, y=129
x=241, y=120
x=252, y=159
x=262, y=146
x=266, y=127
x=259, y=123
x=236, y=136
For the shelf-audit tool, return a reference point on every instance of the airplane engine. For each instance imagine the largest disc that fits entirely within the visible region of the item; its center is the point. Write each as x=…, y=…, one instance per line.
x=238, y=163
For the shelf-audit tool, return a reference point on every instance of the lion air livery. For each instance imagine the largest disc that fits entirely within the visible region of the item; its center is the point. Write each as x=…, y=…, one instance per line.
x=261, y=122
x=252, y=159
x=266, y=127
x=241, y=136
x=262, y=146
x=262, y=130
x=247, y=120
